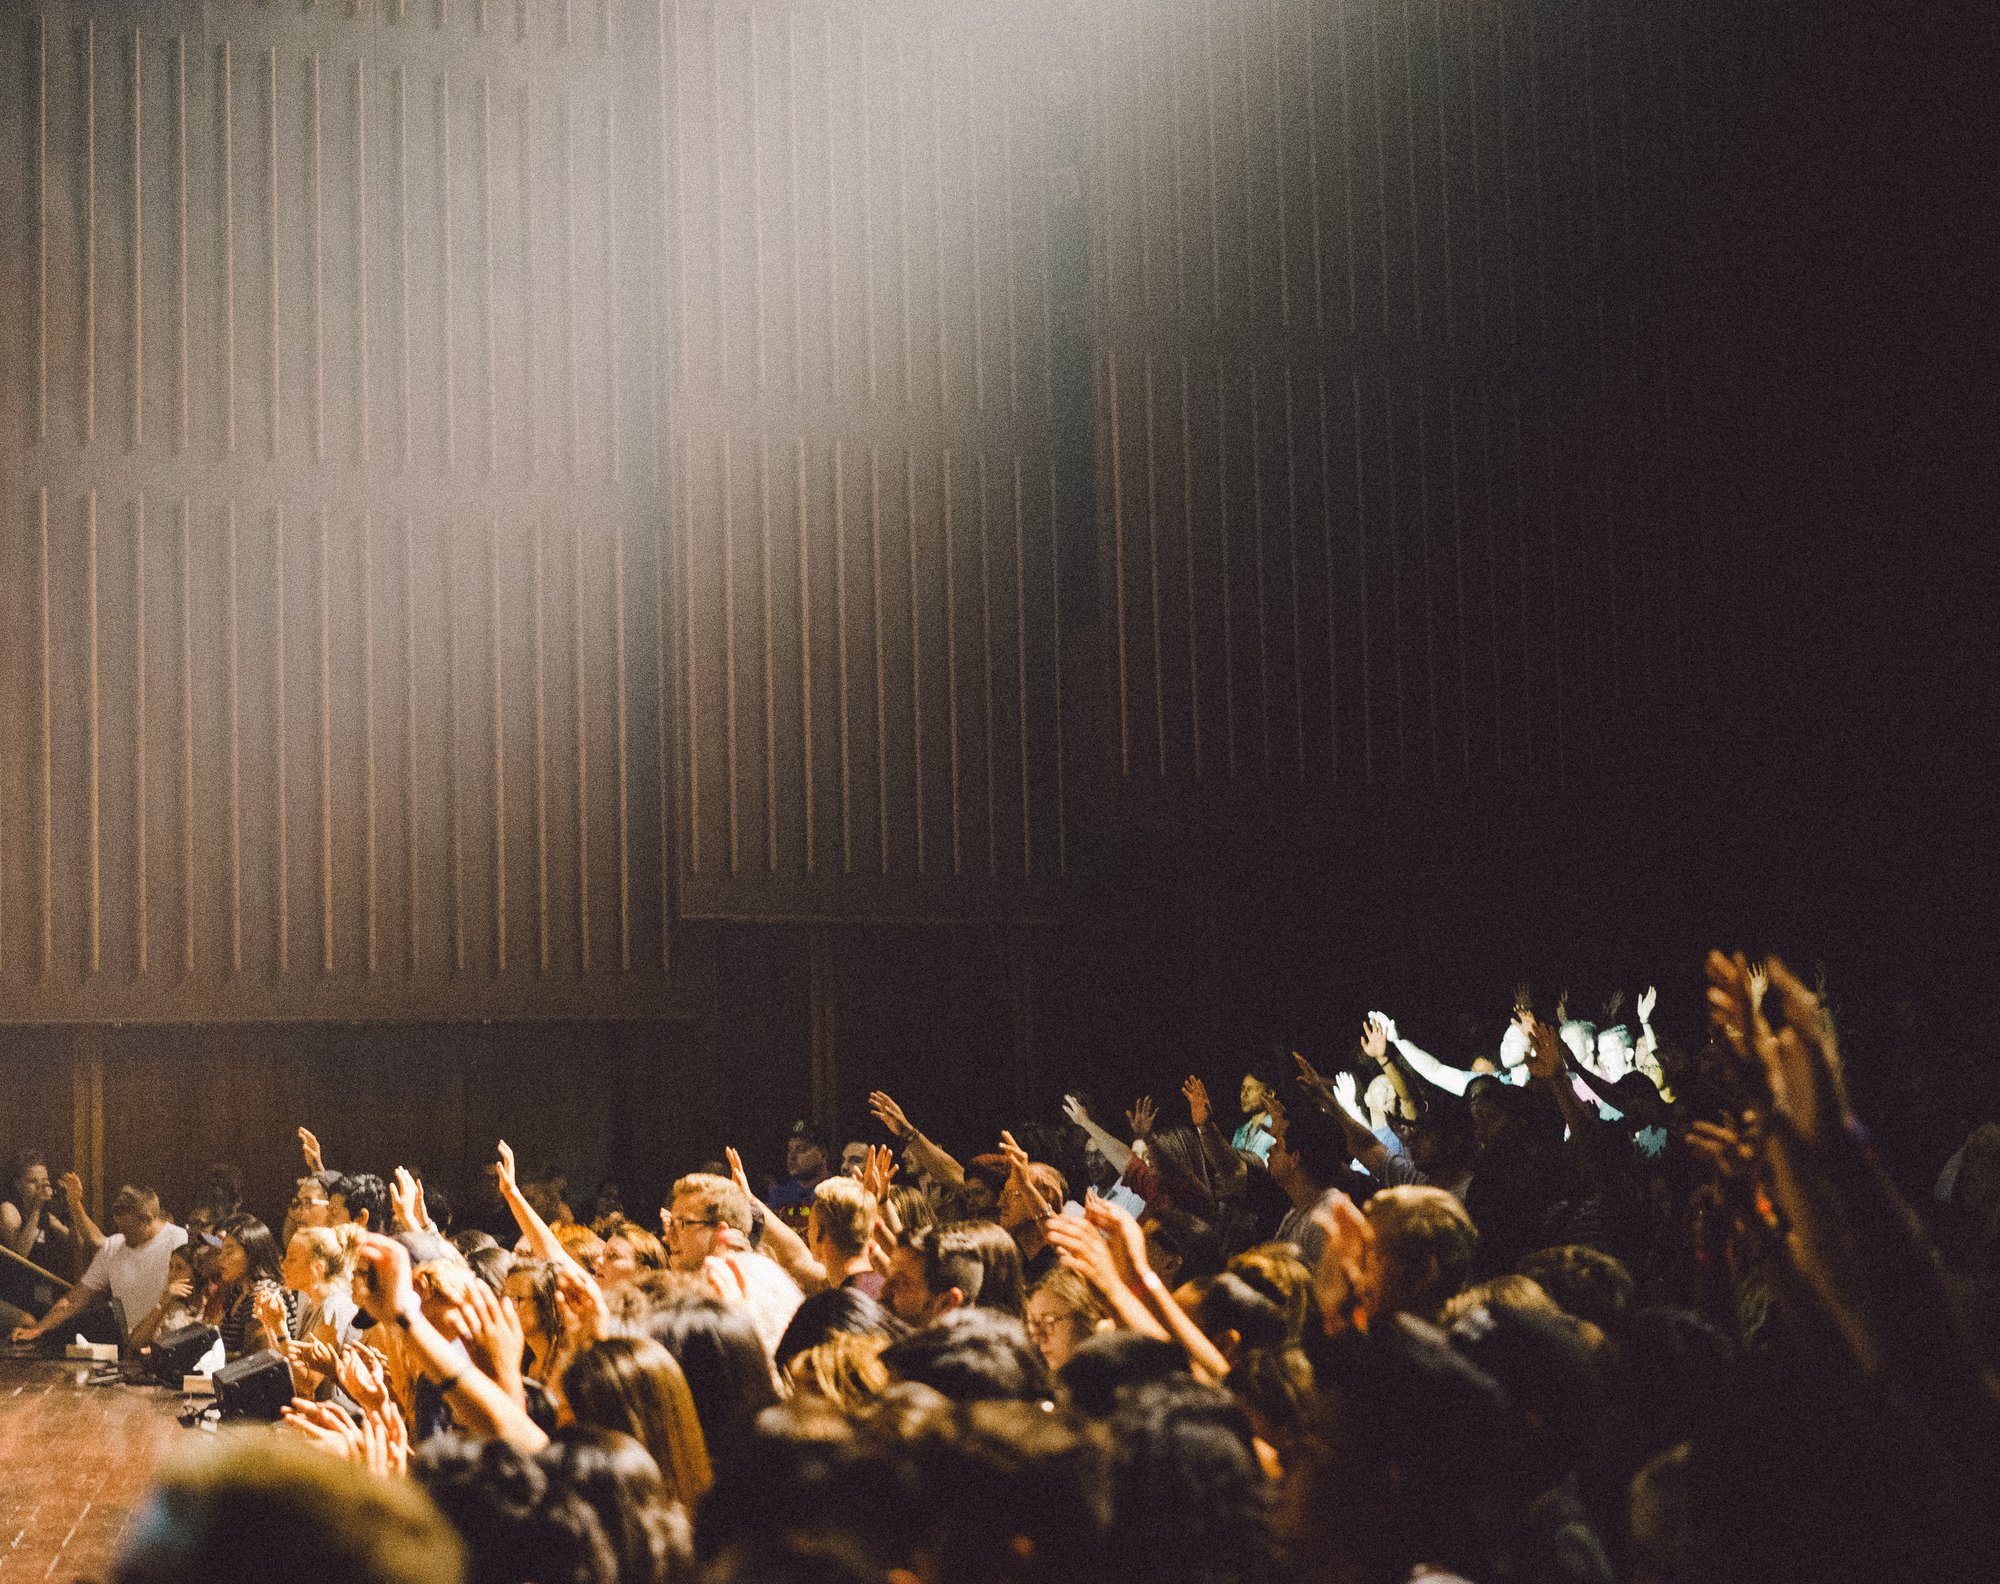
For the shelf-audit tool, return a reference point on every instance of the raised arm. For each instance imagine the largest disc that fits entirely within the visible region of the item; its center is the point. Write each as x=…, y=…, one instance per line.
x=1230, y=1171
x=1452, y=1080
x=919, y=1153
x=1116, y=1151
x=88, y=1233
x=543, y=1241
x=780, y=1242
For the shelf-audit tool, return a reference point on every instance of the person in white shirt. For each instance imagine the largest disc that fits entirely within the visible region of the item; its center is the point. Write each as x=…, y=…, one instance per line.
x=131, y=1265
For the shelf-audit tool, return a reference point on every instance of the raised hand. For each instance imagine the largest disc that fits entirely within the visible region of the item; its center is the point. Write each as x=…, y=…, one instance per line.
x=1375, y=1038
x=1799, y=1060
x=880, y=1172
x=1341, y=1280
x=490, y=1326
x=313, y=1354
x=72, y=1189
x=1347, y=1092
x=1648, y=999
x=1015, y=1156
x=1562, y=1009
x=382, y=1284
x=405, y=1196
x=1524, y=997
x=890, y=1115
x=1073, y=1109
x=1760, y=981
x=309, y=1146
x=580, y=1302
x=1309, y=1075
x=267, y=1303
x=737, y=1173
x=510, y=1185
x=1611, y=1005
x=1082, y=1248
x=1141, y=1117
x=1123, y=1237
x=1197, y=1099
x=1545, y=1048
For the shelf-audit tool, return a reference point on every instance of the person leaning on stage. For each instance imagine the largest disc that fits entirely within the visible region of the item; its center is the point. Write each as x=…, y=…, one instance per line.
x=131, y=1266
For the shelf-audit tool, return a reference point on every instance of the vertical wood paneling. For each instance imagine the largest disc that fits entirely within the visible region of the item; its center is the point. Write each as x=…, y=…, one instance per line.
x=1365, y=238
x=860, y=280
x=276, y=646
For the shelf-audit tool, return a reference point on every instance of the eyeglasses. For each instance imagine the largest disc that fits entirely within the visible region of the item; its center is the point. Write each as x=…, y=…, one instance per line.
x=673, y=1222
x=301, y=1202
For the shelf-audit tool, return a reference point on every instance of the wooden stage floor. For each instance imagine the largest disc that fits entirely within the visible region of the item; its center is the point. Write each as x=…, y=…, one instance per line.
x=74, y=1461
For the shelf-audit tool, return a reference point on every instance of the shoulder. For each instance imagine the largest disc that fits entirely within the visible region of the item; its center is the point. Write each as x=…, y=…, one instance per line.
x=172, y=1236
x=10, y=1214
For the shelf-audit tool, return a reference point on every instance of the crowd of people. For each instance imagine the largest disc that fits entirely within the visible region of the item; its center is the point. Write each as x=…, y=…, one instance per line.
x=1603, y=1301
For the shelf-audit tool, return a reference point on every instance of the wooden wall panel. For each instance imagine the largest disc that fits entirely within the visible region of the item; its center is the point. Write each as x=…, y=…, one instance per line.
x=331, y=512
x=869, y=523
x=1387, y=440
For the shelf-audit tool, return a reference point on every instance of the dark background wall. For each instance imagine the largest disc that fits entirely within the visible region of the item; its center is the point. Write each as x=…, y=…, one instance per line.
x=627, y=572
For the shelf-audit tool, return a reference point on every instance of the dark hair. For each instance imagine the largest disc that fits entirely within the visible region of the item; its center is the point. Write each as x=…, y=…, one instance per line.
x=222, y=1190
x=1003, y=1282
x=949, y=1258
x=266, y=1259
x=972, y=1355
x=837, y=1311
x=1406, y=1428
x=647, y=1529
x=18, y=1166
x=1111, y=1361
x=1318, y=1142
x=1545, y=1367
x=728, y=1372
x=491, y=1265
x=473, y=1238
x=443, y=1212
x=1229, y=1303
x=516, y=1522
x=364, y=1191
x=1589, y=1284
x=1191, y=1240
x=1186, y=1449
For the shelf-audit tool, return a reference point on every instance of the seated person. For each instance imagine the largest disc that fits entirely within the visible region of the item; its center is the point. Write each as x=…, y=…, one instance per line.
x=131, y=1266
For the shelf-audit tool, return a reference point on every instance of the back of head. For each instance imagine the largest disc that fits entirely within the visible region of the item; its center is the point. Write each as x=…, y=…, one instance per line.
x=1409, y=1431
x=646, y=1528
x=1544, y=1364
x=834, y=1312
x=268, y=1509
x=1276, y=1271
x=1113, y=1361
x=634, y=1385
x=1233, y=1314
x=1587, y=1283
x=1318, y=1142
x=1424, y=1248
x=1003, y=1281
x=846, y=1368
x=844, y=1213
x=515, y=1521
x=722, y=1359
x=972, y=1355
x=1186, y=1449
x=140, y=1202
x=364, y=1191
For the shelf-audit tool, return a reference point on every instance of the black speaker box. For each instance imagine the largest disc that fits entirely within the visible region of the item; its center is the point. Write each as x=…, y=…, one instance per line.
x=254, y=1387
x=175, y=1352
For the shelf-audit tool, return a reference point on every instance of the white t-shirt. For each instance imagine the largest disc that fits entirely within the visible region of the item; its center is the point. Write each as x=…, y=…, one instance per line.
x=136, y=1276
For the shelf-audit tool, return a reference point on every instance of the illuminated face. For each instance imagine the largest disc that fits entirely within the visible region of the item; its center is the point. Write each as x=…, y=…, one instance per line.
x=310, y=1205
x=232, y=1263
x=853, y=1159
x=692, y=1233
x=34, y=1184
x=300, y=1270
x=1057, y=1330
x=619, y=1262
x=1253, y=1095
x=804, y=1159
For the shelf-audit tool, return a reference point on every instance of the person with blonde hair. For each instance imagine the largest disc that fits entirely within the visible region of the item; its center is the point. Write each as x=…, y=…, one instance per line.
x=846, y=1369
x=1063, y=1312
x=319, y=1266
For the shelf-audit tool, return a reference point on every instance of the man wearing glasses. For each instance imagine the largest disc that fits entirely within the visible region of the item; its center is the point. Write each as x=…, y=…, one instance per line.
x=708, y=1229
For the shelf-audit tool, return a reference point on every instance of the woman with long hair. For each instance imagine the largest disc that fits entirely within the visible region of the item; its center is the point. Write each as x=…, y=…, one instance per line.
x=257, y=1310
x=31, y=1227
x=617, y=1476
x=633, y=1384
